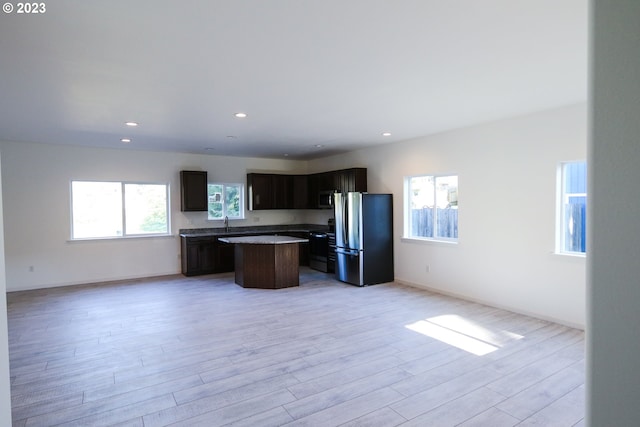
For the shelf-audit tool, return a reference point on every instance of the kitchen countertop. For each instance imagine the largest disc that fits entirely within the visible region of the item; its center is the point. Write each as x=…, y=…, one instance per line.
x=248, y=230
x=262, y=240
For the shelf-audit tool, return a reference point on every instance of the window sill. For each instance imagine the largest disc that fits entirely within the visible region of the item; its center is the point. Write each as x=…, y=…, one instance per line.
x=100, y=239
x=222, y=219
x=427, y=241
x=574, y=255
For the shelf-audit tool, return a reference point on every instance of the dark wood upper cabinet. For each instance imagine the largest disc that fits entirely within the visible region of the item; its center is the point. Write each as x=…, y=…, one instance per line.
x=354, y=179
x=193, y=191
x=300, y=191
x=326, y=181
x=282, y=186
x=260, y=191
x=313, y=187
x=279, y=191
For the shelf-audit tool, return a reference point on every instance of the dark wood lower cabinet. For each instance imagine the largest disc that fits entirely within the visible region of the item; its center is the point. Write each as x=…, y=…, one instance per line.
x=303, y=248
x=225, y=257
x=267, y=266
x=197, y=255
x=207, y=255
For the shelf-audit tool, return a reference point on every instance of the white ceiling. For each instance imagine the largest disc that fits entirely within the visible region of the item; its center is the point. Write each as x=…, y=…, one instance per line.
x=335, y=73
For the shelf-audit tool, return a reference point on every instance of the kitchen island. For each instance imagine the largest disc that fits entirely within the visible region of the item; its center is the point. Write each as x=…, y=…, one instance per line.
x=267, y=262
x=202, y=253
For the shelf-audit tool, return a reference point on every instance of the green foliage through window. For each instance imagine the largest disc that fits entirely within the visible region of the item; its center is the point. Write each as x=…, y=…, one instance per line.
x=226, y=200
x=117, y=209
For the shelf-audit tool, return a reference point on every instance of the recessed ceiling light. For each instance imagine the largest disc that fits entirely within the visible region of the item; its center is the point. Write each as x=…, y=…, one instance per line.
x=319, y=145
x=125, y=140
x=386, y=133
x=131, y=124
x=286, y=154
x=241, y=115
x=209, y=148
x=231, y=137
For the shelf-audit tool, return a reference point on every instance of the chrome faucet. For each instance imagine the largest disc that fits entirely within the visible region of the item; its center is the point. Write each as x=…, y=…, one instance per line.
x=226, y=224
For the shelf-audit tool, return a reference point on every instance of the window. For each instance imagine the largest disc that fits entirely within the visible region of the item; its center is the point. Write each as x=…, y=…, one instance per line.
x=572, y=208
x=118, y=209
x=431, y=210
x=226, y=200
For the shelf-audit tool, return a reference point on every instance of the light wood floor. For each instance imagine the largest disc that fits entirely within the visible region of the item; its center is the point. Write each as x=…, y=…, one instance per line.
x=203, y=351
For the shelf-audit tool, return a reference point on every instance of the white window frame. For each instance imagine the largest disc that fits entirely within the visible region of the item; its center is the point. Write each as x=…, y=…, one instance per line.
x=125, y=234
x=224, y=206
x=562, y=198
x=407, y=210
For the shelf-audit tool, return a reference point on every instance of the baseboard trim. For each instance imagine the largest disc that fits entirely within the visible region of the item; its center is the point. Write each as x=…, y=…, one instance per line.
x=491, y=304
x=95, y=282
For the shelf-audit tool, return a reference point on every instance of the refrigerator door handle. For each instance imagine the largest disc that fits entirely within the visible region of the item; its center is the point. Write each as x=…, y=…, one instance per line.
x=343, y=251
x=345, y=222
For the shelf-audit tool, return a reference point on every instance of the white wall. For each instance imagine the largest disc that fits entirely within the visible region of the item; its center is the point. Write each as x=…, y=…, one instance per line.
x=507, y=172
x=507, y=186
x=5, y=394
x=36, y=181
x=613, y=344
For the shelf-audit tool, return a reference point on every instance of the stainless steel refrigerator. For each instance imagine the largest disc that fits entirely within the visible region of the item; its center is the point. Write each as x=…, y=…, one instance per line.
x=364, y=238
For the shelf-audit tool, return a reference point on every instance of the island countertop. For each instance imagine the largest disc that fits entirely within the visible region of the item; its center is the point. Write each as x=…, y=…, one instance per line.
x=262, y=240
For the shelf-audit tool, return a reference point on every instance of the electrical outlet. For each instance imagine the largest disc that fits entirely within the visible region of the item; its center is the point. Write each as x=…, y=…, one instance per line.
x=428, y=268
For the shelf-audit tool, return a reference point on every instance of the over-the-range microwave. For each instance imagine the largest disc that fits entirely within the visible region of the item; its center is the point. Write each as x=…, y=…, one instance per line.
x=325, y=199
